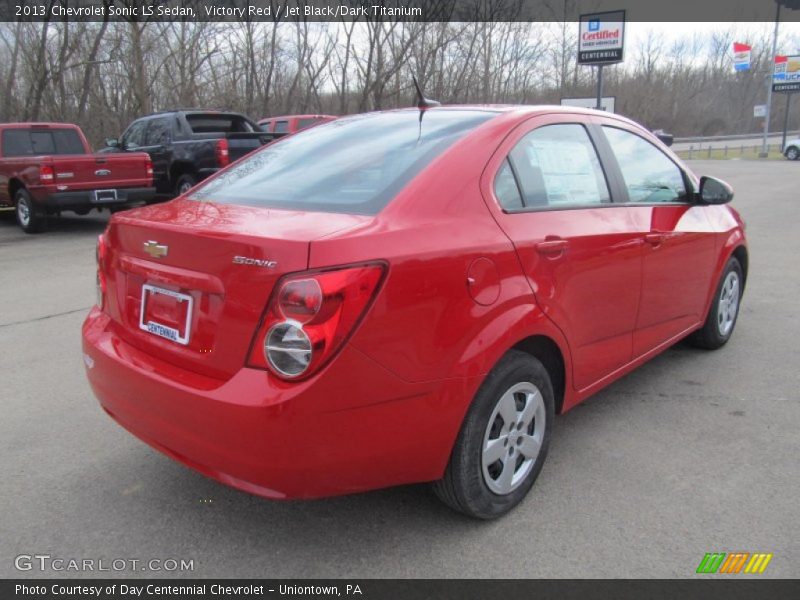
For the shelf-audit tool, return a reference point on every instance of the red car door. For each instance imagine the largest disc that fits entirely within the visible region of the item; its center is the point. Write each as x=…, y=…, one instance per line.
x=580, y=249
x=679, y=249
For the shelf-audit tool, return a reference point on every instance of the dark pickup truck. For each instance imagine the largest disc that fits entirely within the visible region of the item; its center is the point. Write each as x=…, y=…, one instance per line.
x=46, y=168
x=186, y=146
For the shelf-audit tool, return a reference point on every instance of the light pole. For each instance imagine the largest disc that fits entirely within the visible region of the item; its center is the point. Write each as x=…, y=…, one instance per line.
x=791, y=5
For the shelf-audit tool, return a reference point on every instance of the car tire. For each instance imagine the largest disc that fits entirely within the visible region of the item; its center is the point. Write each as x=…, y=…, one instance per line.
x=185, y=182
x=474, y=483
x=721, y=319
x=30, y=217
x=792, y=153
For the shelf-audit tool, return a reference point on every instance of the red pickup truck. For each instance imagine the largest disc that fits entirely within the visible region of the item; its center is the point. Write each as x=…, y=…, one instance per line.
x=293, y=123
x=46, y=168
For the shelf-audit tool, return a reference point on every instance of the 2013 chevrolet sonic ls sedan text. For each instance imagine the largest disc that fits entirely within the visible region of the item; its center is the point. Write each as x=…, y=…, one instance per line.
x=407, y=296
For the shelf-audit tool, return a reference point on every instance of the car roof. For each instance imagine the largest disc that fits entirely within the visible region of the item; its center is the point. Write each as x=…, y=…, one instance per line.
x=310, y=116
x=526, y=109
x=42, y=125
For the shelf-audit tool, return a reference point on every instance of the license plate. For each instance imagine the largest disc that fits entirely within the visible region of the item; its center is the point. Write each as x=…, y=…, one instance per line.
x=166, y=313
x=103, y=196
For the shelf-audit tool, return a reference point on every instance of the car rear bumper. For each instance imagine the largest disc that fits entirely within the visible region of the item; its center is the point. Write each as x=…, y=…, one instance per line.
x=86, y=198
x=352, y=427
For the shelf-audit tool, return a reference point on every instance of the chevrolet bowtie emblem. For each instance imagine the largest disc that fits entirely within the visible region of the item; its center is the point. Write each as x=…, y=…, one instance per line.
x=155, y=249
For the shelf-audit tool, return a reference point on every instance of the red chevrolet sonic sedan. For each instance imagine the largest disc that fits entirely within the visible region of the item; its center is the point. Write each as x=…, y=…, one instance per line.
x=407, y=296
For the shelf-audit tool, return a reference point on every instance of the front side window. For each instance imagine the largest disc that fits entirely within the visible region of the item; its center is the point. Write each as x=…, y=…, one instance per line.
x=556, y=166
x=649, y=174
x=354, y=165
x=134, y=137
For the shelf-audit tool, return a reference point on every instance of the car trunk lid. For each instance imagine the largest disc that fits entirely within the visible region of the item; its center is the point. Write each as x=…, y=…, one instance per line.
x=190, y=280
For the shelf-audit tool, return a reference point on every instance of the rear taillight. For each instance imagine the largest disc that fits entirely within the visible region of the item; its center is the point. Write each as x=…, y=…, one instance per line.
x=148, y=168
x=100, y=255
x=46, y=173
x=309, y=318
x=223, y=156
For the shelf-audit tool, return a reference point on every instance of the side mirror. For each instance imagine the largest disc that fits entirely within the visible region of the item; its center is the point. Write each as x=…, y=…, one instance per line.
x=666, y=138
x=112, y=142
x=714, y=191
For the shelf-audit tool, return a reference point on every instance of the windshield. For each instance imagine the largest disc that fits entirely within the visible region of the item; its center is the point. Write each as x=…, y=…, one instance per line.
x=353, y=165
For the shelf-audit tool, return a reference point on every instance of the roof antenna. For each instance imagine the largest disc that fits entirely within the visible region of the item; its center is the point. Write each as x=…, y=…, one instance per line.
x=423, y=103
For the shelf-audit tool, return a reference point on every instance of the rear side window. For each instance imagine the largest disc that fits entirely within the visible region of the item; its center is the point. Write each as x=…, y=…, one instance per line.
x=158, y=132
x=218, y=123
x=649, y=174
x=281, y=126
x=354, y=165
x=557, y=166
x=506, y=189
x=34, y=142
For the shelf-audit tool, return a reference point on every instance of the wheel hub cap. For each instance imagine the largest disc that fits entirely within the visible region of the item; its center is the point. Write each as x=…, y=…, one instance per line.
x=513, y=438
x=728, y=304
x=24, y=212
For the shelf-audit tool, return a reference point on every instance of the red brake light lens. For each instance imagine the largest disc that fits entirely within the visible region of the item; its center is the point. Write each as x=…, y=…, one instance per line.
x=223, y=155
x=46, y=173
x=148, y=167
x=300, y=300
x=310, y=317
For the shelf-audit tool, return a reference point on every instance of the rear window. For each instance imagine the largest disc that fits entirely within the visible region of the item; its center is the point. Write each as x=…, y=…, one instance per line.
x=354, y=165
x=221, y=123
x=35, y=142
x=308, y=122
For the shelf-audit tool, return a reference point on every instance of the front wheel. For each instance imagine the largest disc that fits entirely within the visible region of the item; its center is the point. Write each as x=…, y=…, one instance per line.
x=792, y=153
x=503, y=441
x=30, y=217
x=721, y=320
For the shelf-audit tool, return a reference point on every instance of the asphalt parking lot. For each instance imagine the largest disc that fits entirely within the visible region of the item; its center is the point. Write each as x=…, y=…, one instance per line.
x=693, y=453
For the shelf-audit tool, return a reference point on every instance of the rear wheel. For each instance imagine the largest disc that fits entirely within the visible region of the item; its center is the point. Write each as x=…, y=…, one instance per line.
x=503, y=441
x=31, y=218
x=792, y=153
x=184, y=184
x=721, y=320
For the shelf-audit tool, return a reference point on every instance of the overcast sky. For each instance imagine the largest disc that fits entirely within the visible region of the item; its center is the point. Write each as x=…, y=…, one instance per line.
x=789, y=32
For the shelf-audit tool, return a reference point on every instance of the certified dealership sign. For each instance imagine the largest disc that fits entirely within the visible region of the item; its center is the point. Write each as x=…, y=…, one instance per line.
x=786, y=76
x=602, y=38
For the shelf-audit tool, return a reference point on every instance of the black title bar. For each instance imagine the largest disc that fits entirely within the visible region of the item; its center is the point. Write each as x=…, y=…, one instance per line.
x=712, y=11
x=707, y=588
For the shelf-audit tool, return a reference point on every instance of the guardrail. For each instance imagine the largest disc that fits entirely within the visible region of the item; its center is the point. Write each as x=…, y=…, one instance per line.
x=737, y=136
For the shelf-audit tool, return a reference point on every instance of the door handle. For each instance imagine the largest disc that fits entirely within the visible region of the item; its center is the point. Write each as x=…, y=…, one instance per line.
x=654, y=239
x=552, y=247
